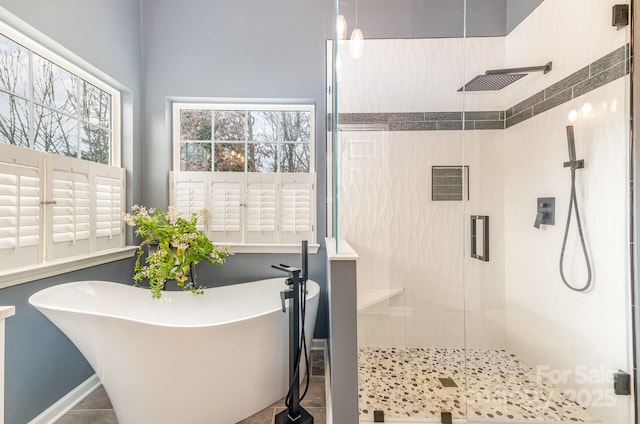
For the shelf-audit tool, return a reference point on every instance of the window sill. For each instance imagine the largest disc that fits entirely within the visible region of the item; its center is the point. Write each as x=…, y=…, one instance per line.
x=17, y=276
x=270, y=248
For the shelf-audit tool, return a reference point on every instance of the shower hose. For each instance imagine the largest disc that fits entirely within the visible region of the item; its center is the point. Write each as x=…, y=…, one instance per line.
x=573, y=202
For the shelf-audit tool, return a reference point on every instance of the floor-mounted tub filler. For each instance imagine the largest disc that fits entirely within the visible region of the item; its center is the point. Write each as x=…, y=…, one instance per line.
x=219, y=357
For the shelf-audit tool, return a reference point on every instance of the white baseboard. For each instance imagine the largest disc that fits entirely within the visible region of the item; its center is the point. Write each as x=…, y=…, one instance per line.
x=71, y=399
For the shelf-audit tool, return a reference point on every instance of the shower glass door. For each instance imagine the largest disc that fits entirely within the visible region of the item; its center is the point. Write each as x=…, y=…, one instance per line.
x=547, y=314
x=454, y=181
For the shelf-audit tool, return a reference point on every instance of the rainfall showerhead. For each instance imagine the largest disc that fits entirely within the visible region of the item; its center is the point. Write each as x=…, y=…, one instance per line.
x=498, y=79
x=491, y=82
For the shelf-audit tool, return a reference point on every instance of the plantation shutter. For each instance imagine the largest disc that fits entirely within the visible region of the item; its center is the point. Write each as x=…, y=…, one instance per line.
x=20, y=212
x=248, y=208
x=297, y=207
x=55, y=207
x=225, y=207
x=70, y=212
x=188, y=194
x=261, y=208
x=108, y=183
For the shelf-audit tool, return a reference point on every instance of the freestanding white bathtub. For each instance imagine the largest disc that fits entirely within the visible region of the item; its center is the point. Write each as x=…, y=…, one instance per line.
x=216, y=358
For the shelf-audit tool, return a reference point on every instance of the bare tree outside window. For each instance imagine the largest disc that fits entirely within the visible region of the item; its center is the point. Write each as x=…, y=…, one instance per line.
x=195, y=125
x=14, y=78
x=229, y=126
x=14, y=120
x=296, y=133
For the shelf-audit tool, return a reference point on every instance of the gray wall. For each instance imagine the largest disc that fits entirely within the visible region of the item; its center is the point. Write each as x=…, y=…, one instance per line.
x=234, y=49
x=41, y=364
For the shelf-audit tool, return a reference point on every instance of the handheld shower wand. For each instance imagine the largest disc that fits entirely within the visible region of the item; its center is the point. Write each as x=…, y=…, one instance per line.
x=571, y=144
x=573, y=202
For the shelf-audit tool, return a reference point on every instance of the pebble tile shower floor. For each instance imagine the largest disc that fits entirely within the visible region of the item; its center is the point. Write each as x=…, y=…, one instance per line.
x=405, y=383
x=96, y=408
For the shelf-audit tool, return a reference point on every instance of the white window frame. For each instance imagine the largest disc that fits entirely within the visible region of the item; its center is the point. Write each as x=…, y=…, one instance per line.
x=281, y=183
x=116, y=108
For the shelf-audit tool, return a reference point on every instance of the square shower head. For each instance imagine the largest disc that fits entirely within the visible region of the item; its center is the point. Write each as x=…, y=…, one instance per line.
x=491, y=82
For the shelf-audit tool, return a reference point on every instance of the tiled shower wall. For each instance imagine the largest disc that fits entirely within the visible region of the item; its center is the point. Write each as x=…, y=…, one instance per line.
x=548, y=325
x=517, y=300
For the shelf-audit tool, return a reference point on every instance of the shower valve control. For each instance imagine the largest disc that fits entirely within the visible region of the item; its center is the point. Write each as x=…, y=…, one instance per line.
x=546, y=211
x=622, y=383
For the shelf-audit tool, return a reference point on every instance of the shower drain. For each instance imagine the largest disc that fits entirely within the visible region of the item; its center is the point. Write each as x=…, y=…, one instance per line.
x=447, y=382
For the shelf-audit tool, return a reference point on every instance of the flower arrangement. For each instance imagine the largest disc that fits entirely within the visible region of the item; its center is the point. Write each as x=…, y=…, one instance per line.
x=178, y=244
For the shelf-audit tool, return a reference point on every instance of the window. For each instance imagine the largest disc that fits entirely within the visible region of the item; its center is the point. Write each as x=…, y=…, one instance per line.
x=61, y=190
x=249, y=167
x=49, y=105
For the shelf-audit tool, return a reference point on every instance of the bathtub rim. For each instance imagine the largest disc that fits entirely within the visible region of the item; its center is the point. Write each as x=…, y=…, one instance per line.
x=312, y=293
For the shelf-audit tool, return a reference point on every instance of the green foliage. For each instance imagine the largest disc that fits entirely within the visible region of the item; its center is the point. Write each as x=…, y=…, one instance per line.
x=175, y=245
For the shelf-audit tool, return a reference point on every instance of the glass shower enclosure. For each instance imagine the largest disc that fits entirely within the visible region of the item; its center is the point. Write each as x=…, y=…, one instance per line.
x=481, y=163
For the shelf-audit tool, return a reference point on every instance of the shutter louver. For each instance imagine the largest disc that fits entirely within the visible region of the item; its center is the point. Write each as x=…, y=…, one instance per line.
x=224, y=213
x=19, y=206
x=296, y=207
x=189, y=194
x=225, y=207
x=71, y=209
x=29, y=211
x=21, y=220
x=260, y=209
x=108, y=207
x=71, y=215
x=296, y=210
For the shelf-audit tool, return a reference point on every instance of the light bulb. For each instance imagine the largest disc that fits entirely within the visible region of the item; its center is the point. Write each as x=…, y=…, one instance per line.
x=356, y=46
x=341, y=27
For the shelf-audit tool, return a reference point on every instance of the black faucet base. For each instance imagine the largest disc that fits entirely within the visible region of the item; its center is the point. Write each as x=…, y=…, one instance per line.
x=304, y=417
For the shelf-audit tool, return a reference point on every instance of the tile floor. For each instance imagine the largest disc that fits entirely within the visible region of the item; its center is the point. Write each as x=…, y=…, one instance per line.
x=96, y=408
x=492, y=386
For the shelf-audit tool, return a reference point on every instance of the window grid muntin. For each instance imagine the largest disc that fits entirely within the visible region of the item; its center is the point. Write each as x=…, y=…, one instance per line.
x=180, y=108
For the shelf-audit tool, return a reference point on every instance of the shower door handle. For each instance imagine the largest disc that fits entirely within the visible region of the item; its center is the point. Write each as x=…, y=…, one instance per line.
x=480, y=237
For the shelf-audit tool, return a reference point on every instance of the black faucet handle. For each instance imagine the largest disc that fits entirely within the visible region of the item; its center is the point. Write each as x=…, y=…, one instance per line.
x=286, y=268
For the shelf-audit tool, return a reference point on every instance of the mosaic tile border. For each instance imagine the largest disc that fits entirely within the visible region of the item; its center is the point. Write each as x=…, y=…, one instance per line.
x=600, y=72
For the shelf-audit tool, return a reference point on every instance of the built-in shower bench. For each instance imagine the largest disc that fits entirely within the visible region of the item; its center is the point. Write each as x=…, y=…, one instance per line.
x=370, y=297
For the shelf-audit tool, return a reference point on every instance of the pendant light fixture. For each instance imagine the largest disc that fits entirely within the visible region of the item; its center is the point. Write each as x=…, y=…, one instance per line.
x=356, y=45
x=341, y=28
